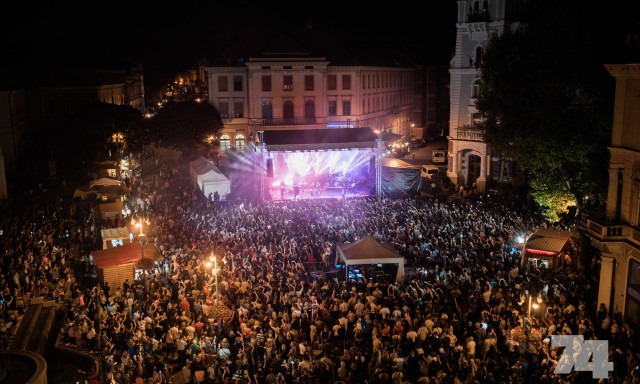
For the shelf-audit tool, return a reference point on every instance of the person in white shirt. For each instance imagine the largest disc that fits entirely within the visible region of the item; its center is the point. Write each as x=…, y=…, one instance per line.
x=471, y=347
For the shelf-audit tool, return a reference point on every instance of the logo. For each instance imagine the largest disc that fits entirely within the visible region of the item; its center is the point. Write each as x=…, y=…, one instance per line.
x=581, y=355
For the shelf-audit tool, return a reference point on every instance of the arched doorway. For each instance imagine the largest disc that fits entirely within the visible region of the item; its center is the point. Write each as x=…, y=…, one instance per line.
x=468, y=167
x=473, y=169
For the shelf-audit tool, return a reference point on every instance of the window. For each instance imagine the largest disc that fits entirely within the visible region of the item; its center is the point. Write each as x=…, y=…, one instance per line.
x=332, y=82
x=222, y=84
x=266, y=83
x=478, y=56
x=287, y=109
x=332, y=108
x=223, y=108
x=346, y=107
x=308, y=83
x=225, y=143
x=240, y=142
x=267, y=109
x=475, y=89
x=475, y=8
x=238, y=108
x=346, y=81
x=237, y=83
x=287, y=83
x=309, y=109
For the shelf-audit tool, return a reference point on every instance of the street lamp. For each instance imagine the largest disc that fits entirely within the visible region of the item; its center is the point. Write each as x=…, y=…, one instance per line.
x=531, y=304
x=215, y=273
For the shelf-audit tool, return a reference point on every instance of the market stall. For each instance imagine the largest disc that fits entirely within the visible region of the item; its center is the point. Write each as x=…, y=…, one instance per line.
x=369, y=251
x=546, y=247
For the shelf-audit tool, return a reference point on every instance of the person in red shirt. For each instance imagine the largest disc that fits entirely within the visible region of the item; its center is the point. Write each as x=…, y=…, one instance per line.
x=199, y=327
x=184, y=305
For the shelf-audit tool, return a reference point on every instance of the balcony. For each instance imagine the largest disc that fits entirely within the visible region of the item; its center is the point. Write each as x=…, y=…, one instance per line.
x=478, y=17
x=471, y=134
x=299, y=120
x=608, y=232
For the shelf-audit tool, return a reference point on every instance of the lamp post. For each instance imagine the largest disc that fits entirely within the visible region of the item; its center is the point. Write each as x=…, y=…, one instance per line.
x=141, y=235
x=215, y=273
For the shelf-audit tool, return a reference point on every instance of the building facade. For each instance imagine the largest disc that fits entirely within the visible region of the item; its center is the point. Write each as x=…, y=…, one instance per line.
x=470, y=159
x=617, y=235
x=286, y=85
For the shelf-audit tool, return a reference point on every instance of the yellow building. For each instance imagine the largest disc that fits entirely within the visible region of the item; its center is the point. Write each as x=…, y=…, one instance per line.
x=618, y=234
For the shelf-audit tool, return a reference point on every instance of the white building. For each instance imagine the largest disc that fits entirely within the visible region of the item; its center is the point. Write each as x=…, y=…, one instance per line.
x=309, y=80
x=617, y=235
x=469, y=157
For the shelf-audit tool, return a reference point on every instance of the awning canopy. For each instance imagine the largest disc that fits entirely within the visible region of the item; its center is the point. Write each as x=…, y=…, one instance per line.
x=319, y=139
x=369, y=251
x=546, y=241
x=127, y=253
x=105, y=181
x=83, y=193
x=114, y=233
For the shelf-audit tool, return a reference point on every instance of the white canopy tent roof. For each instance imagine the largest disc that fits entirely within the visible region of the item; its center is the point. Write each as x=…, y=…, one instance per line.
x=208, y=178
x=369, y=251
x=195, y=168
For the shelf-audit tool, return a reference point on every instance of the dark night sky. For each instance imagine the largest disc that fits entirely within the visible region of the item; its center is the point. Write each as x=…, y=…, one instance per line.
x=39, y=35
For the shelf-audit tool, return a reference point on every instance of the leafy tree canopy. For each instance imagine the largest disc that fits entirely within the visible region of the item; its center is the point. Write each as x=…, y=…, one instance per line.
x=184, y=126
x=546, y=100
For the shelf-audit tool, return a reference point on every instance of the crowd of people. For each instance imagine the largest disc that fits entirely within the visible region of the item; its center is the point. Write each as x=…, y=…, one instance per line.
x=292, y=319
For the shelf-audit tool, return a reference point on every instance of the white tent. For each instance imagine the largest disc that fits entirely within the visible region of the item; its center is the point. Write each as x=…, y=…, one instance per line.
x=214, y=181
x=369, y=251
x=208, y=178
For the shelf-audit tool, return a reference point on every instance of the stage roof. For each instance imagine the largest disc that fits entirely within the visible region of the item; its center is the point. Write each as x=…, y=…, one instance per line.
x=319, y=139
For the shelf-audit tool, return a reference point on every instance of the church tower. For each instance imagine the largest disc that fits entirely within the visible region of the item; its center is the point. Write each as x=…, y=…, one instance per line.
x=469, y=157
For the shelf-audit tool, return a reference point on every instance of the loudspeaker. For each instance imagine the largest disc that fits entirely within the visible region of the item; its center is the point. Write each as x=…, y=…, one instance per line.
x=269, y=168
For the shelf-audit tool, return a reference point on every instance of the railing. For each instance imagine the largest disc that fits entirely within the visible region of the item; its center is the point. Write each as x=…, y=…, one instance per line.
x=478, y=17
x=470, y=134
x=608, y=232
x=271, y=121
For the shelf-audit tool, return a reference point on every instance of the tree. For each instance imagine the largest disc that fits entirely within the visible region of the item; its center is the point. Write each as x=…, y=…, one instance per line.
x=185, y=126
x=89, y=136
x=546, y=100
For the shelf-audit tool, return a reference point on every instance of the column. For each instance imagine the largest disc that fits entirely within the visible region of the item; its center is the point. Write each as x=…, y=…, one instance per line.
x=606, y=281
x=482, y=179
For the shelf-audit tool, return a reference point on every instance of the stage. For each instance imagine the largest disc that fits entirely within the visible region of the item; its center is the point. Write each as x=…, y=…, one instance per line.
x=319, y=164
x=277, y=194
